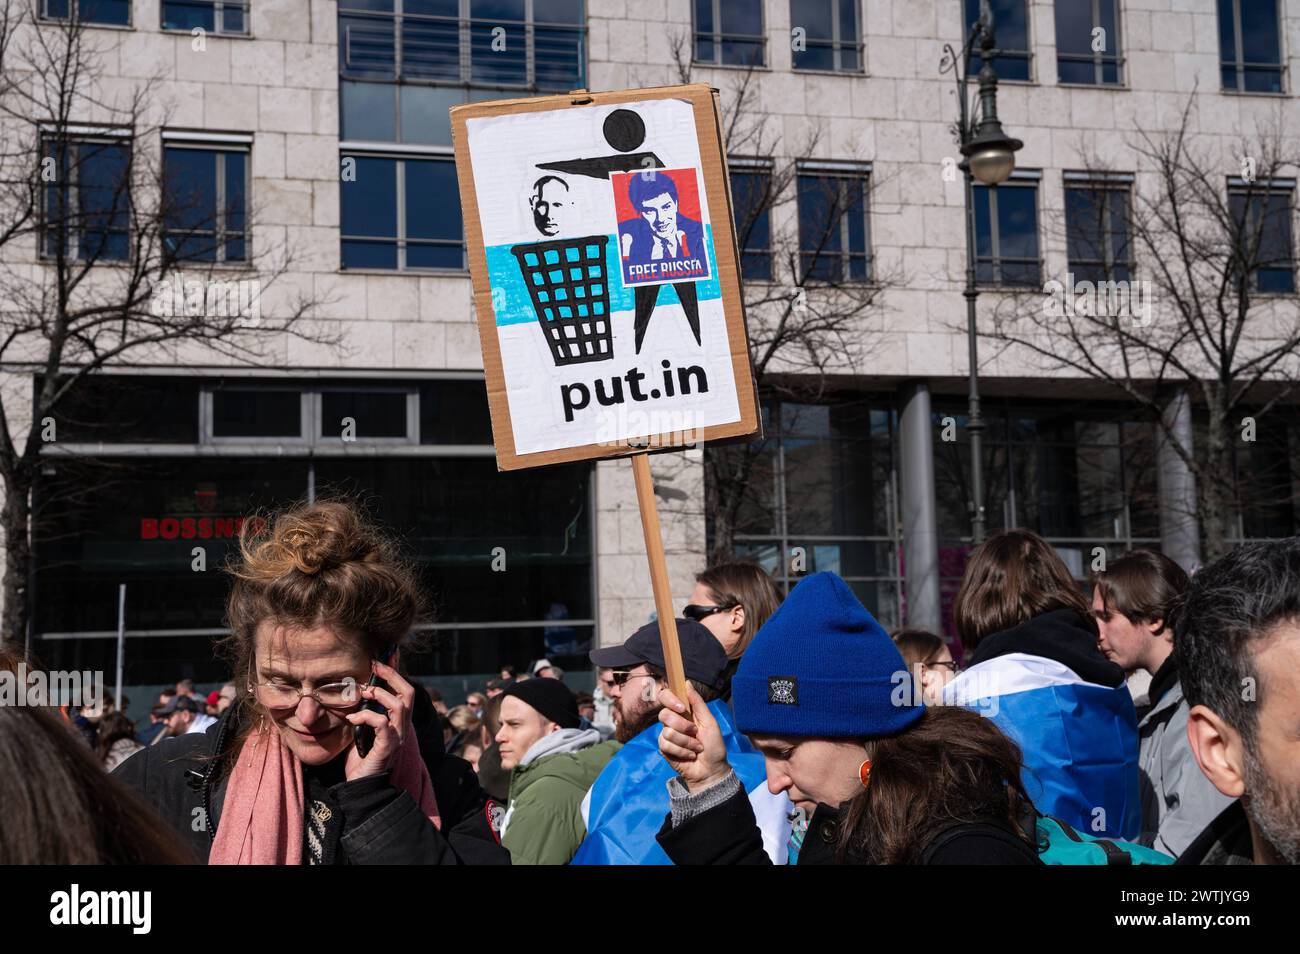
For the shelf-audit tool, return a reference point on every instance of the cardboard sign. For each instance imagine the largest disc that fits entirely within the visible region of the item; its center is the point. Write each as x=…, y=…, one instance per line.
x=606, y=277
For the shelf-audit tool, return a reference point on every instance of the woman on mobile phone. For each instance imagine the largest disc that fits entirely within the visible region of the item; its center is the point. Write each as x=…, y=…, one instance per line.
x=319, y=760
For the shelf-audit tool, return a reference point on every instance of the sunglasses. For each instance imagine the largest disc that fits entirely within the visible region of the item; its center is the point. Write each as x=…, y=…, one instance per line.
x=699, y=613
x=621, y=676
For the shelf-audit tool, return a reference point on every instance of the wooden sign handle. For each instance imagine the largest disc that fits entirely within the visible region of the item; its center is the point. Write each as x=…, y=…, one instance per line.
x=654, y=548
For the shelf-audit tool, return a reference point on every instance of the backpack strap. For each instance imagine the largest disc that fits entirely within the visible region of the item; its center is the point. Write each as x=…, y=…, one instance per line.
x=1115, y=855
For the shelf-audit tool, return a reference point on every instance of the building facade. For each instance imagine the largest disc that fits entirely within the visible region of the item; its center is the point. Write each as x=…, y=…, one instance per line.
x=321, y=126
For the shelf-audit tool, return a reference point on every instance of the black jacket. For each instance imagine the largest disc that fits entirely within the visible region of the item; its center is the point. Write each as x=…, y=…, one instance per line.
x=185, y=782
x=728, y=834
x=1061, y=635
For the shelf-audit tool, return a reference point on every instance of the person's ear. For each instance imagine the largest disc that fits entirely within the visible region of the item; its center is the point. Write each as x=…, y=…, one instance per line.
x=551, y=727
x=737, y=618
x=1157, y=628
x=1218, y=750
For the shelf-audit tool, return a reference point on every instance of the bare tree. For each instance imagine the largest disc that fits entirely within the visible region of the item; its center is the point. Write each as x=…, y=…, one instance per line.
x=103, y=260
x=808, y=318
x=1210, y=243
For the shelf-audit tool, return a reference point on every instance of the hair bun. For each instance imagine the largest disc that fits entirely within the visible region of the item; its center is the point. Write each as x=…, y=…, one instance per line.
x=312, y=539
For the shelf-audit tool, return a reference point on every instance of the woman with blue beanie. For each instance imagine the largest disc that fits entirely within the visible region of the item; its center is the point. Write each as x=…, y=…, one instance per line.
x=823, y=693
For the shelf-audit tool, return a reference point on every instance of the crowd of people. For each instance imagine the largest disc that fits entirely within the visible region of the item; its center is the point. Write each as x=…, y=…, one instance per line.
x=804, y=733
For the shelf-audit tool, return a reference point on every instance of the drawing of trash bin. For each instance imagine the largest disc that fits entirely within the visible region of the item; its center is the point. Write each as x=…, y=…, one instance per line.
x=569, y=286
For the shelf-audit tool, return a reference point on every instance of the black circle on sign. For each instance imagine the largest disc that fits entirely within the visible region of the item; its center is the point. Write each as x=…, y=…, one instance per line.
x=624, y=130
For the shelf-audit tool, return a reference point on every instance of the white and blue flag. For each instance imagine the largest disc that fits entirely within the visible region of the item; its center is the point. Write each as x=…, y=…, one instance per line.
x=627, y=805
x=1079, y=739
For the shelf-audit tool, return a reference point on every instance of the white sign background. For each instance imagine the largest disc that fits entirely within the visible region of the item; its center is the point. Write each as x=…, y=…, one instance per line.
x=504, y=154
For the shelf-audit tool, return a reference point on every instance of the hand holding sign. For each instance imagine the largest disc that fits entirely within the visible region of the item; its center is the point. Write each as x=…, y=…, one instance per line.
x=691, y=742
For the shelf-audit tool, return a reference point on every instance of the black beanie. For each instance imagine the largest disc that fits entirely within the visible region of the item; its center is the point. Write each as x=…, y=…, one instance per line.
x=551, y=698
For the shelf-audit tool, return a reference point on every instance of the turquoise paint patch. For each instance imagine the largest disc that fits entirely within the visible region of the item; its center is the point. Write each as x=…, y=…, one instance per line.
x=513, y=305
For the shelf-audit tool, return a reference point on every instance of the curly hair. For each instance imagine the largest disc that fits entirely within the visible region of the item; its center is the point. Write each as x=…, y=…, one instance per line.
x=321, y=564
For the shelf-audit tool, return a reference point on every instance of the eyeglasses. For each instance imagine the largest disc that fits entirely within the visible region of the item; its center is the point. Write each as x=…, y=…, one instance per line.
x=621, y=676
x=948, y=664
x=281, y=695
x=698, y=612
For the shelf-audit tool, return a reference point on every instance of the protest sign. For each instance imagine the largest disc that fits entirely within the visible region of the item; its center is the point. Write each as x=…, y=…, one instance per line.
x=606, y=279
x=606, y=285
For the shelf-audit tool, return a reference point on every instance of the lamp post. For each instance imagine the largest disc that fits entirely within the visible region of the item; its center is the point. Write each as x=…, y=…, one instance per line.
x=988, y=155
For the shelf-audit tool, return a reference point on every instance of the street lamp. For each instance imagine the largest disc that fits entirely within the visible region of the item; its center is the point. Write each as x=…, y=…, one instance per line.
x=989, y=155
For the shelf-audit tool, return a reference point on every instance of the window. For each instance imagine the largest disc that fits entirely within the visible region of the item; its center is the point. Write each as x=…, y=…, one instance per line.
x=213, y=16
x=819, y=496
x=401, y=213
x=1006, y=232
x=1080, y=479
x=537, y=44
x=134, y=515
x=88, y=203
x=831, y=35
x=1250, y=46
x=834, y=237
x=1011, y=31
x=205, y=203
x=1097, y=229
x=730, y=32
x=98, y=12
x=1088, y=44
x=253, y=413
x=1261, y=216
x=127, y=409
x=404, y=63
x=751, y=193
x=372, y=414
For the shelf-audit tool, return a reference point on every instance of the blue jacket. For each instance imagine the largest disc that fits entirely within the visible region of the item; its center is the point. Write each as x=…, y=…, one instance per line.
x=1049, y=688
x=628, y=801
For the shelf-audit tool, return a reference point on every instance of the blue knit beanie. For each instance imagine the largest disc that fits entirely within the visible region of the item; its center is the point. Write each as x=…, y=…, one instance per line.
x=822, y=667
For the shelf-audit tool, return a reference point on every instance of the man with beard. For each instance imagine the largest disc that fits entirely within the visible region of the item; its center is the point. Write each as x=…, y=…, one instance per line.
x=626, y=804
x=1238, y=638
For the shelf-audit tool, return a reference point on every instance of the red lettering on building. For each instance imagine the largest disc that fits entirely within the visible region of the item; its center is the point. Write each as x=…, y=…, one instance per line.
x=203, y=528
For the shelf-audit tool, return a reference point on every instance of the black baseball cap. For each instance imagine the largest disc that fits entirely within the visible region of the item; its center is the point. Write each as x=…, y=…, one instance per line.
x=181, y=703
x=703, y=657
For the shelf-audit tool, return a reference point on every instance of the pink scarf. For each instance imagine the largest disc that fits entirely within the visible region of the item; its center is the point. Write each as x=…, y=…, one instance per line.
x=261, y=819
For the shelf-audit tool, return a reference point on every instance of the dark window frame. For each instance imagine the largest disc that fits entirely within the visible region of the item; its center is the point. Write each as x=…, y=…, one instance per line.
x=759, y=168
x=412, y=395
x=218, y=16
x=996, y=260
x=1253, y=193
x=401, y=239
x=837, y=44
x=842, y=174
x=1238, y=63
x=44, y=16
x=719, y=38
x=1109, y=262
x=72, y=196
x=1098, y=60
x=311, y=414
x=1004, y=52
x=466, y=25
x=219, y=233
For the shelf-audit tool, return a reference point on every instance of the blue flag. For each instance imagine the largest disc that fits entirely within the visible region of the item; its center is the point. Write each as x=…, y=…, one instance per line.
x=1079, y=739
x=627, y=804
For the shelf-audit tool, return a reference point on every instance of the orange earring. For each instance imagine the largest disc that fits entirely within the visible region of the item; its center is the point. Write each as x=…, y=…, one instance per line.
x=864, y=772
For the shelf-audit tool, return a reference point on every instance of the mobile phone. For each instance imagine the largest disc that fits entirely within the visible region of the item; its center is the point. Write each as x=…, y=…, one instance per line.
x=364, y=735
